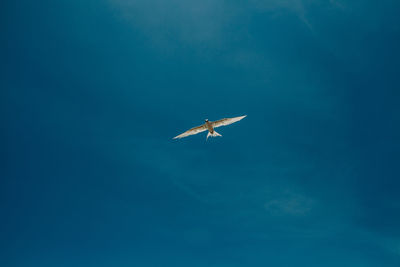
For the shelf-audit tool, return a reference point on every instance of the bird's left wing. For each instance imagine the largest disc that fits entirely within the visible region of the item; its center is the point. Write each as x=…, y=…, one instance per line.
x=227, y=121
x=192, y=131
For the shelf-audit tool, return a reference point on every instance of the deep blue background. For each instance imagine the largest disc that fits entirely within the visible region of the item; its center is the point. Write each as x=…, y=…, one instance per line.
x=93, y=91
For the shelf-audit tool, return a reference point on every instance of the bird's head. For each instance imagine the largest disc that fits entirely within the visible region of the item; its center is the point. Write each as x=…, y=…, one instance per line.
x=206, y=120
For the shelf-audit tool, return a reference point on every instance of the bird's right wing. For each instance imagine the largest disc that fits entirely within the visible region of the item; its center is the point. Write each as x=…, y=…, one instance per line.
x=226, y=121
x=192, y=131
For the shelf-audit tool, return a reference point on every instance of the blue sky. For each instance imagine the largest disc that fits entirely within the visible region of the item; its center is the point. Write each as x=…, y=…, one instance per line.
x=93, y=91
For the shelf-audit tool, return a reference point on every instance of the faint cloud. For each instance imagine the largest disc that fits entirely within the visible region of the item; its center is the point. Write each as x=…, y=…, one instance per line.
x=389, y=244
x=202, y=22
x=290, y=204
x=176, y=20
x=336, y=3
x=298, y=7
x=396, y=249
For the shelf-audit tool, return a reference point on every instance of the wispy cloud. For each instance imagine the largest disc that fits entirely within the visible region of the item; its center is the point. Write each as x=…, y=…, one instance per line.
x=177, y=20
x=298, y=7
x=290, y=204
x=202, y=21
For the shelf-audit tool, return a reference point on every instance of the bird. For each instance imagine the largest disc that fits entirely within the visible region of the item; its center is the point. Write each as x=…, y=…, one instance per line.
x=210, y=125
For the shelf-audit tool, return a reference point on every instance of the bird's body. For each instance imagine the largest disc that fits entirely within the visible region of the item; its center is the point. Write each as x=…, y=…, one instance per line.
x=210, y=125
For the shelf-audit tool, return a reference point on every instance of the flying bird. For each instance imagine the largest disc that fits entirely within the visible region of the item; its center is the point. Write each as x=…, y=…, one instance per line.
x=210, y=125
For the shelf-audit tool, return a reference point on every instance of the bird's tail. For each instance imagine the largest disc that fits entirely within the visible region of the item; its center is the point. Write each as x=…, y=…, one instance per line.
x=214, y=134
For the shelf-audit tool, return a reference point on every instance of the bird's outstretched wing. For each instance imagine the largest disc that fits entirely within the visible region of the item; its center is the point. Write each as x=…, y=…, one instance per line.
x=192, y=131
x=226, y=121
